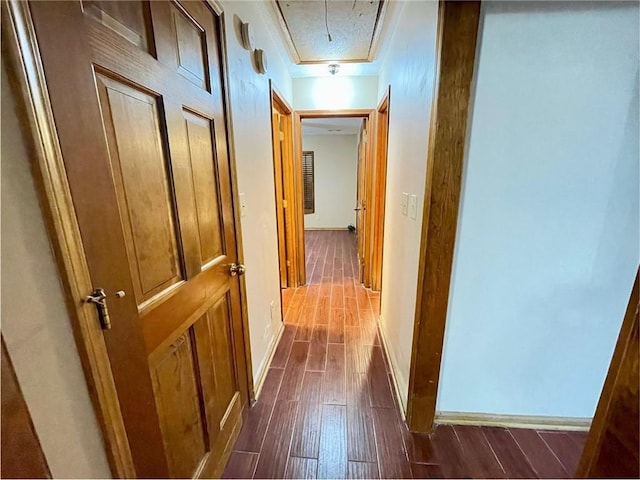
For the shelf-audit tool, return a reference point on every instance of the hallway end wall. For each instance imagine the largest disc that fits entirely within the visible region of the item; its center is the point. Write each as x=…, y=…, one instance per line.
x=251, y=117
x=335, y=180
x=341, y=92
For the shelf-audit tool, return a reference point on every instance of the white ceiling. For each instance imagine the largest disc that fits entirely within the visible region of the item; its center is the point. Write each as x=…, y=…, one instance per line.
x=354, y=26
x=331, y=126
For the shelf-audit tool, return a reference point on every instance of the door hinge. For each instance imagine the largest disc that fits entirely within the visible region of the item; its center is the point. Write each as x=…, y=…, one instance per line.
x=284, y=203
x=282, y=136
x=288, y=263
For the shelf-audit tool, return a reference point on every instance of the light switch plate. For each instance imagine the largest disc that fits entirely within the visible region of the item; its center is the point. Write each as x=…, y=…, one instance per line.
x=404, y=201
x=243, y=205
x=413, y=206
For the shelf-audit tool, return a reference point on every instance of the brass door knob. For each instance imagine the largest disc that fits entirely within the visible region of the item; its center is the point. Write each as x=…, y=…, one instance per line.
x=236, y=269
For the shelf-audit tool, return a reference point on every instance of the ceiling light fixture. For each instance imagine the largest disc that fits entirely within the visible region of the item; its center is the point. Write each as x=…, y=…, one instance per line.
x=334, y=68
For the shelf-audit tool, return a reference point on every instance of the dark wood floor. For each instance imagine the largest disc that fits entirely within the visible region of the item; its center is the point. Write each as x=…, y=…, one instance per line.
x=328, y=409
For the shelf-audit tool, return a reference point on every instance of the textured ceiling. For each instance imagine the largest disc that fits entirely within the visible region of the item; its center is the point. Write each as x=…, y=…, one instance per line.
x=353, y=24
x=331, y=126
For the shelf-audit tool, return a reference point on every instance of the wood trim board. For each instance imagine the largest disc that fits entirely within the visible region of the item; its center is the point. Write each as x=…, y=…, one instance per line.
x=612, y=447
x=379, y=188
x=514, y=421
x=455, y=60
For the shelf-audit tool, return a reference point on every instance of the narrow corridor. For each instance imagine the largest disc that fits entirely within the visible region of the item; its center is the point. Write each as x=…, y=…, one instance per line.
x=328, y=407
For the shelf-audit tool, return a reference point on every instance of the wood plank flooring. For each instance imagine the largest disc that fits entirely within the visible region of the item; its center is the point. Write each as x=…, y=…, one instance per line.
x=328, y=408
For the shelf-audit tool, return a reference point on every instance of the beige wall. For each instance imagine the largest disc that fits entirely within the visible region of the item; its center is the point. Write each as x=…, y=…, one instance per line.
x=35, y=323
x=335, y=93
x=409, y=68
x=251, y=112
x=335, y=166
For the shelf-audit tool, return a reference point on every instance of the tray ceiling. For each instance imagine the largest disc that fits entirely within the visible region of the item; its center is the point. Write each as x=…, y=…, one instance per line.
x=354, y=26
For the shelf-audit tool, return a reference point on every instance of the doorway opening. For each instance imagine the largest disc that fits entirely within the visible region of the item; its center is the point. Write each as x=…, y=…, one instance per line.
x=330, y=182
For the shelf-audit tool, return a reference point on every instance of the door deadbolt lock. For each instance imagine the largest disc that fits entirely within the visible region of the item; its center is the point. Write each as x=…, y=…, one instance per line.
x=99, y=299
x=237, y=269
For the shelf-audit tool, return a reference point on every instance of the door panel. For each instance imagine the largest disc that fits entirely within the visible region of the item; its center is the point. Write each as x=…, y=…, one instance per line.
x=130, y=20
x=175, y=382
x=136, y=90
x=190, y=44
x=205, y=181
x=138, y=163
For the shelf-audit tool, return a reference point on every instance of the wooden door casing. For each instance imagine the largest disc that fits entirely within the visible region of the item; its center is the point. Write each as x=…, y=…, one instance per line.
x=22, y=455
x=379, y=191
x=278, y=174
x=362, y=228
x=612, y=449
x=137, y=95
x=290, y=258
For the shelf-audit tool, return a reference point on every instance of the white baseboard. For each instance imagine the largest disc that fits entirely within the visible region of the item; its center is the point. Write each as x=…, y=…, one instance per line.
x=329, y=229
x=393, y=368
x=264, y=368
x=514, y=421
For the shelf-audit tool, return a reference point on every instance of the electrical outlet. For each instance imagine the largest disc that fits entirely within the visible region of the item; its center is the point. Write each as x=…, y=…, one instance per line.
x=243, y=205
x=404, y=201
x=413, y=206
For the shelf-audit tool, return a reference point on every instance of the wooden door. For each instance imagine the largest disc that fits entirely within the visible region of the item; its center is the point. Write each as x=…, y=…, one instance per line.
x=137, y=95
x=361, y=206
x=22, y=456
x=612, y=449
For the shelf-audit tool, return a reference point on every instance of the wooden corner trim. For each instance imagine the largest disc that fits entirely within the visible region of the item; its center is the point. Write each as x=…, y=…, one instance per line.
x=285, y=31
x=455, y=61
x=279, y=98
x=377, y=30
x=598, y=433
x=28, y=80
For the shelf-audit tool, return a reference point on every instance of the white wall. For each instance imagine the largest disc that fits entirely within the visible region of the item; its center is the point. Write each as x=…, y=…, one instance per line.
x=409, y=68
x=547, y=244
x=35, y=322
x=335, y=92
x=335, y=177
x=251, y=113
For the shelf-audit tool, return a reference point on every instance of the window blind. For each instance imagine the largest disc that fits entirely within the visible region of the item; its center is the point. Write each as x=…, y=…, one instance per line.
x=308, y=183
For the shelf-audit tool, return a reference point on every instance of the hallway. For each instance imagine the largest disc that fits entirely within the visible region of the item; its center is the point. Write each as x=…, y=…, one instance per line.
x=328, y=408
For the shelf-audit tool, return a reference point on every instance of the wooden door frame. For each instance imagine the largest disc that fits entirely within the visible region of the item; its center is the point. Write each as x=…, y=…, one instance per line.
x=23, y=456
x=379, y=191
x=287, y=177
x=458, y=27
x=299, y=199
x=27, y=78
x=593, y=449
